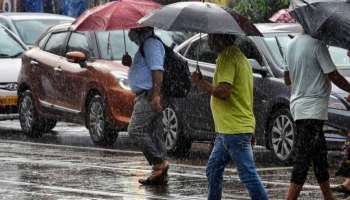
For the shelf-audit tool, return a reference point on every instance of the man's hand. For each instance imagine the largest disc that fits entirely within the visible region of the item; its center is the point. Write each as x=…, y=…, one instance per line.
x=126, y=60
x=196, y=77
x=155, y=104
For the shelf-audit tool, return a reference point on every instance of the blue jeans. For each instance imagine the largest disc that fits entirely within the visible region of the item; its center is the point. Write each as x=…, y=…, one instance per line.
x=237, y=148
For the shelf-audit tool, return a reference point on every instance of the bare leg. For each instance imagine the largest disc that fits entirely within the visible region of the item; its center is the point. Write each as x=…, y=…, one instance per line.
x=294, y=191
x=326, y=191
x=346, y=183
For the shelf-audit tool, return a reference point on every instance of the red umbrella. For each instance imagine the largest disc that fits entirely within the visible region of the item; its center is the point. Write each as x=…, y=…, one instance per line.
x=120, y=14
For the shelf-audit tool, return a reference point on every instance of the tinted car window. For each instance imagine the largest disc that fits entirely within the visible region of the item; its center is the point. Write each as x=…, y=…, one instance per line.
x=30, y=30
x=248, y=48
x=56, y=42
x=78, y=42
x=9, y=47
x=111, y=45
x=275, y=51
x=204, y=55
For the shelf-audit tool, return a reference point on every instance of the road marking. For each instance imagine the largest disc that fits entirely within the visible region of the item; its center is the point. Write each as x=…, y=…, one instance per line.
x=131, y=152
x=235, y=170
x=109, y=194
x=77, y=165
x=95, y=192
x=43, y=194
x=71, y=147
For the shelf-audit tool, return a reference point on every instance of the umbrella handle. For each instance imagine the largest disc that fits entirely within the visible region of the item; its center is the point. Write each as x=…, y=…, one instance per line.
x=198, y=70
x=124, y=42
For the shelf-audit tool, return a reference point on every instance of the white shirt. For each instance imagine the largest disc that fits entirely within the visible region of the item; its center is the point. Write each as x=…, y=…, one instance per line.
x=309, y=62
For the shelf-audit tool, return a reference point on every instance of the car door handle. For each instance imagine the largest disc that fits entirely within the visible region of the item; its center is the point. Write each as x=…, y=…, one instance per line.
x=33, y=62
x=58, y=69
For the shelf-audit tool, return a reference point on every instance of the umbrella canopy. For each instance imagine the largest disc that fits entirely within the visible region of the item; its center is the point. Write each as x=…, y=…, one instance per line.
x=120, y=14
x=326, y=20
x=282, y=16
x=199, y=17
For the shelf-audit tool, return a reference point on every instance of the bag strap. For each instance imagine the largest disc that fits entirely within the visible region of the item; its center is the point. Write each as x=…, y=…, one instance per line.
x=142, y=51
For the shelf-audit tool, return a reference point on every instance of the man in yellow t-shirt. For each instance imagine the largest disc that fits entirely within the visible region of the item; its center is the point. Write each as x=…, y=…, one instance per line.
x=232, y=107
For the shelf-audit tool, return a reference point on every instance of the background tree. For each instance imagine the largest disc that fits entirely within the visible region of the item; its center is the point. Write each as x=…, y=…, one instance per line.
x=258, y=10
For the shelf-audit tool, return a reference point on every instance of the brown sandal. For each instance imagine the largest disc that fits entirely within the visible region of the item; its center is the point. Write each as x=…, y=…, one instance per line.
x=159, y=175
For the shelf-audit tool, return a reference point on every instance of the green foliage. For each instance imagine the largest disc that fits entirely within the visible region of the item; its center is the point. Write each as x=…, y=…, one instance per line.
x=220, y=2
x=258, y=10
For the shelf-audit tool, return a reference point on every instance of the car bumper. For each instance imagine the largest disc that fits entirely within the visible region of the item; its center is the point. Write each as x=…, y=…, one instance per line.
x=8, y=102
x=120, y=105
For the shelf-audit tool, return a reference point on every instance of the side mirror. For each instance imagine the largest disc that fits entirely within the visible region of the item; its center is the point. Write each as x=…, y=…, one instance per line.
x=76, y=57
x=257, y=68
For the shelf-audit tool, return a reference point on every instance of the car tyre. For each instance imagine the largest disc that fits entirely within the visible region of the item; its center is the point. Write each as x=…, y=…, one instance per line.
x=30, y=122
x=100, y=130
x=176, y=142
x=282, y=133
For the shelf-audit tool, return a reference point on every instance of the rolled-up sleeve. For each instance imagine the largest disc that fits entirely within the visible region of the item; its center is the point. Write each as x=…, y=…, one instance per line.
x=154, y=54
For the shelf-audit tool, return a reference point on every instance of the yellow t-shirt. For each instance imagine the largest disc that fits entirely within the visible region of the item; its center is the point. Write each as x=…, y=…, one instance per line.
x=235, y=114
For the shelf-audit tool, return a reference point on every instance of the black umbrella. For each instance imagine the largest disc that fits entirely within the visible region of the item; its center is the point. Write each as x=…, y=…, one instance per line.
x=326, y=20
x=200, y=17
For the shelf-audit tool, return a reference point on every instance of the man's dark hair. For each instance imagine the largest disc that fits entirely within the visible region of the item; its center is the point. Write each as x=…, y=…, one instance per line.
x=226, y=38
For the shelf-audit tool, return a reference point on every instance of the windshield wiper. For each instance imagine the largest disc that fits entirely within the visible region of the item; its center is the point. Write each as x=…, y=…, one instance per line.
x=2, y=55
x=16, y=55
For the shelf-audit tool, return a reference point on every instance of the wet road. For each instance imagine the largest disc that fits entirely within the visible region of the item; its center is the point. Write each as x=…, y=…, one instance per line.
x=64, y=164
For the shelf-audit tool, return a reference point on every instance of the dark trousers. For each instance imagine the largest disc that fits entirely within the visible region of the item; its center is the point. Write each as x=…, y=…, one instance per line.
x=311, y=148
x=145, y=128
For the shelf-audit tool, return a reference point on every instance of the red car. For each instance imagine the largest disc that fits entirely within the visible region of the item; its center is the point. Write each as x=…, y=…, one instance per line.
x=72, y=76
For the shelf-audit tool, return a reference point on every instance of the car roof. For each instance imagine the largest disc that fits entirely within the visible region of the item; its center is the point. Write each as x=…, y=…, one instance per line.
x=60, y=27
x=266, y=28
x=28, y=16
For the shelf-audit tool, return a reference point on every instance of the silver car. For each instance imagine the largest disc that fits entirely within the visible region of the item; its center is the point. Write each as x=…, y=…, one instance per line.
x=29, y=26
x=11, y=50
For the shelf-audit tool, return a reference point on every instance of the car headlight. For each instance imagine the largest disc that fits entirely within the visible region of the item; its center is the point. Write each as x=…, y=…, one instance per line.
x=122, y=79
x=336, y=103
x=9, y=86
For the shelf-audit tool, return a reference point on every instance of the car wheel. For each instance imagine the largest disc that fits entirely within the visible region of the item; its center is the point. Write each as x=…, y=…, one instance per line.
x=282, y=133
x=175, y=141
x=100, y=131
x=29, y=120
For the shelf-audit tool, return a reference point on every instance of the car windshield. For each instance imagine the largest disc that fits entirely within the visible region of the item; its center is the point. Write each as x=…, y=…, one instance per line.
x=278, y=48
x=9, y=47
x=30, y=30
x=111, y=44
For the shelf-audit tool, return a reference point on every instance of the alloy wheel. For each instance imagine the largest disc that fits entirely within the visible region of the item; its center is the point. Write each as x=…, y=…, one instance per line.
x=96, y=122
x=170, y=127
x=282, y=137
x=26, y=112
